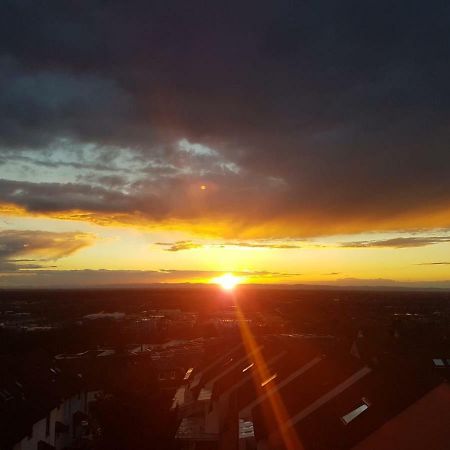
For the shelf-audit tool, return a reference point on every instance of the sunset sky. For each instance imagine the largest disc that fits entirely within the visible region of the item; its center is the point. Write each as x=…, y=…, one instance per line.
x=285, y=142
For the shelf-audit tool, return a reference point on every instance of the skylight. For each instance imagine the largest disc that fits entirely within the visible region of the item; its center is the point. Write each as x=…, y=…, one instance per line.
x=268, y=380
x=352, y=415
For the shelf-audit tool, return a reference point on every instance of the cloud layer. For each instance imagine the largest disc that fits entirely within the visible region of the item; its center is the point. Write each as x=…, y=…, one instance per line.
x=189, y=245
x=298, y=119
x=398, y=242
x=30, y=250
x=94, y=278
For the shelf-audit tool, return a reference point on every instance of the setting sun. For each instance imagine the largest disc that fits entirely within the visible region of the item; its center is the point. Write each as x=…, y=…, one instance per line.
x=227, y=281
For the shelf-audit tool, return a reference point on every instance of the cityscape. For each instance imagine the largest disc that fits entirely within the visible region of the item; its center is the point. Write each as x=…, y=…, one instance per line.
x=212, y=368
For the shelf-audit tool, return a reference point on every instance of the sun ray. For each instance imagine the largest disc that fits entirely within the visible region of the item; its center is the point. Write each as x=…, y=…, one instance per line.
x=262, y=377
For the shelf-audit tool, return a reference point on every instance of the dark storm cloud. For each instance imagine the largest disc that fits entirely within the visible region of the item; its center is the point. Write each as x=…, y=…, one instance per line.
x=400, y=242
x=54, y=197
x=39, y=106
x=31, y=249
x=334, y=113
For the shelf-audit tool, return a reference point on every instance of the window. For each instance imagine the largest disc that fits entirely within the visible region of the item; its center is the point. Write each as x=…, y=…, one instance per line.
x=438, y=362
x=352, y=415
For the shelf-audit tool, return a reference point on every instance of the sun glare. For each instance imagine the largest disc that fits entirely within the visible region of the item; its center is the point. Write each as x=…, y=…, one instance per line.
x=227, y=281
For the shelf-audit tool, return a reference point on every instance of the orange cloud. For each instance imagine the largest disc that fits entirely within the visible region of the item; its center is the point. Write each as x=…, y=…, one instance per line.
x=235, y=225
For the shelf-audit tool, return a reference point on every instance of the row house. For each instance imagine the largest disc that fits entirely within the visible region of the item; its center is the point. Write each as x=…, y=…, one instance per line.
x=289, y=392
x=42, y=406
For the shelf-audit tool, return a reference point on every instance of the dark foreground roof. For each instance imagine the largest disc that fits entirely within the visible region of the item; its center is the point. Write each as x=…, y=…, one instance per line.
x=423, y=425
x=341, y=401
